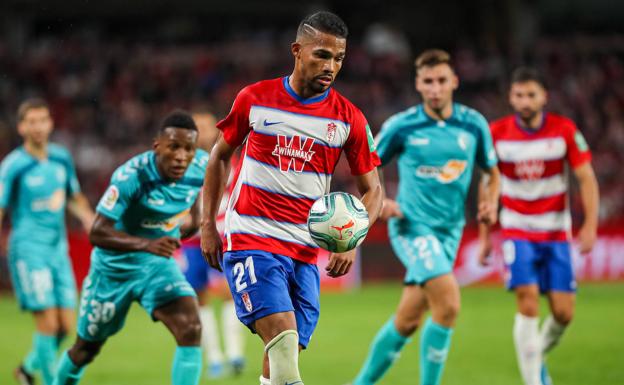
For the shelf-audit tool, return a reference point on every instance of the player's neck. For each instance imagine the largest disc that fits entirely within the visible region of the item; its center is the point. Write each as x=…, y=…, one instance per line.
x=37, y=151
x=298, y=85
x=534, y=123
x=442, y=114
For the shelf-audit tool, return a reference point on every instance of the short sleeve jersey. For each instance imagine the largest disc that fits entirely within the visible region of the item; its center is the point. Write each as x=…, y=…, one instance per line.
x=435, y=161
x=145, y=205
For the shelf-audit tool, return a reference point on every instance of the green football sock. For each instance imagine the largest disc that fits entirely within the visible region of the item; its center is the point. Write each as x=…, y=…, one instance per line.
x=384, y=350
x=67, y=372
x=434, y=345
x=187, y=363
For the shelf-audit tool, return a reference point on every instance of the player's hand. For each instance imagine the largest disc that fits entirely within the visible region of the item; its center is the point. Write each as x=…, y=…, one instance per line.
x=390, y=209
x=340, y=263
x=587, y=238
x=487, y=213
x=164, y=246
x=211, y=246
x=485, y=251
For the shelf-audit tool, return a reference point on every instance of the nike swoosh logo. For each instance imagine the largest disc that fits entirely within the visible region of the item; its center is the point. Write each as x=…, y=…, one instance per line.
x=293, y=383
x=265, y=125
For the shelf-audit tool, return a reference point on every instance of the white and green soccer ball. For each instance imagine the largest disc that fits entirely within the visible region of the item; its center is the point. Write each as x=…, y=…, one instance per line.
x=338, y=222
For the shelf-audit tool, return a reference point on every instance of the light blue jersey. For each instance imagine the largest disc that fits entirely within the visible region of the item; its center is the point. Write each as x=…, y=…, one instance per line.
x=144, y=205
x=435, y=161
x=34, y=192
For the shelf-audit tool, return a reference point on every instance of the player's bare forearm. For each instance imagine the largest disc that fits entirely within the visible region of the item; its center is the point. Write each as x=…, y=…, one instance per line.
x=590, y=195
x=369, y=186
x=78, y=205
x=103, y=234
x=215, y=180
x=488, y=195
x=191, y=223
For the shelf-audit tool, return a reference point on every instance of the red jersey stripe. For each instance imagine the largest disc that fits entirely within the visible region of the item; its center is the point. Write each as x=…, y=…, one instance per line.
x=531, y=170
x=257, y=202
x=539, y=206
x=254, y=242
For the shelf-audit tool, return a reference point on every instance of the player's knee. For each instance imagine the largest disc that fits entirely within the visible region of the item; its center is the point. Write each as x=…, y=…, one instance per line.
x=189, y=331
x=563, y=316
x=450, y=311
x=83, y=353
x=407, y=326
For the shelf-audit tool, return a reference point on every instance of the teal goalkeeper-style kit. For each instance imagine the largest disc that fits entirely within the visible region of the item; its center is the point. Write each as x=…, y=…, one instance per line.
x=436, y=159
x=142, y=204
x=34, y=192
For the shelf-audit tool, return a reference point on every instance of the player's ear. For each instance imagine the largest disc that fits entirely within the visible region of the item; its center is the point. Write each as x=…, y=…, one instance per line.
x=295, y=48
x=155, y=144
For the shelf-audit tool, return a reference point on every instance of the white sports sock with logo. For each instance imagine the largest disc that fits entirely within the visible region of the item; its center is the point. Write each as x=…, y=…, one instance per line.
x=283, y=351
x=528, y=348
x=232, y=331
x=210, y=336
x=551, y=333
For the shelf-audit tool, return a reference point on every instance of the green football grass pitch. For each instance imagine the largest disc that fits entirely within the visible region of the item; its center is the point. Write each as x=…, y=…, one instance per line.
x=592, y=352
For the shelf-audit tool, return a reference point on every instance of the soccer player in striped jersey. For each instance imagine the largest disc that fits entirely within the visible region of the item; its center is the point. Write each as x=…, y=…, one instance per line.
x=535, y=149
x=293, y=130
x=437, y=144
x=37, y=183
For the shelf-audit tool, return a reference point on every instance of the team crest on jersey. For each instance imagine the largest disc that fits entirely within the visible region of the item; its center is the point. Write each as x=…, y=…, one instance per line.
x=331, y=131
x=247, y=302
x=294, y=152
x=530, y=169
x=451, y=171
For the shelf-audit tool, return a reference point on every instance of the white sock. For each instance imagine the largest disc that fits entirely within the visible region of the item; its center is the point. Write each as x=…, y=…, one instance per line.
x=283, y=351
x=528, y=349
x=232, y=331
x=551, y=333
x=210, y=336
x=264, y=381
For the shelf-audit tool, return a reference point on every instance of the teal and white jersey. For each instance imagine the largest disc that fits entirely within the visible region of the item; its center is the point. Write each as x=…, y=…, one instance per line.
x=435, y=161
x=144, y=205
x=35, y=192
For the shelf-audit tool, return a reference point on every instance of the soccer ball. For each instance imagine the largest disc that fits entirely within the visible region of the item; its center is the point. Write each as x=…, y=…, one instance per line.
x=338, y=222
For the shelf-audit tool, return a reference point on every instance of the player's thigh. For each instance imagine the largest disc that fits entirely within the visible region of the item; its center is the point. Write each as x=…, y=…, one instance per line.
x=411, y=308
x=521, y=262
x=562, y=305
x=104, y=305
x=259, y=283
x=31, y=276
x=162, y=284
x=423, y=254
x=305, y=289
x=443, y=297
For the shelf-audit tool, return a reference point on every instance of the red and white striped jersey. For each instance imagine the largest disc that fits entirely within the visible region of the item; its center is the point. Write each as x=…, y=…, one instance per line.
x=292, y=146
x=535, y=176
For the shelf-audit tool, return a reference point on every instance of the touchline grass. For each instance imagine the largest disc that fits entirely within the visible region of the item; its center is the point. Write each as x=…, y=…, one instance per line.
x=592, y=351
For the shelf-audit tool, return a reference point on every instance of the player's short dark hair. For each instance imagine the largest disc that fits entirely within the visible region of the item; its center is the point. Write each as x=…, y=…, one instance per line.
x=325, y=22
x=527, y=74
x=178, y=119
x=431, y=58
x=30, y=104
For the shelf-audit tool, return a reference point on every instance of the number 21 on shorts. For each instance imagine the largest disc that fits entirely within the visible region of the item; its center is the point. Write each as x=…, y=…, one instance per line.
x=239, y=272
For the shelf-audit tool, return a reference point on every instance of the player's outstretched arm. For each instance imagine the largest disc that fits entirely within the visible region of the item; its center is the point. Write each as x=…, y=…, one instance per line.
x=103, y=234
x=191, y=222
x=590, y=197
x=78, y=205
x=214, y=186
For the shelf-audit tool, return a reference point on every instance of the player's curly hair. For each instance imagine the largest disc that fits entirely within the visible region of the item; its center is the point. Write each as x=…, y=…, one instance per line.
x=178, y=119
x=325, y=22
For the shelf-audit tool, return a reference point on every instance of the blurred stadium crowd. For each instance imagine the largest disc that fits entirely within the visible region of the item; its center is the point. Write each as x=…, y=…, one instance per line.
x=107, y=95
